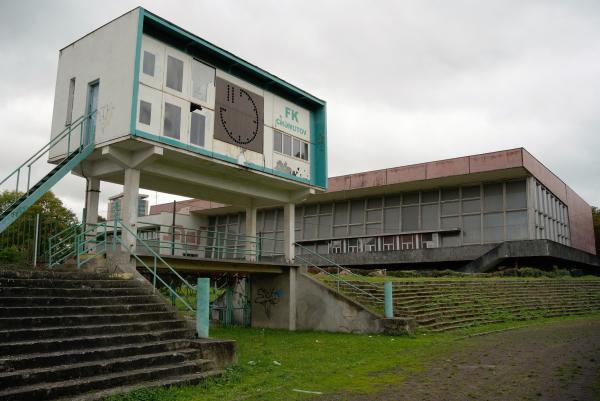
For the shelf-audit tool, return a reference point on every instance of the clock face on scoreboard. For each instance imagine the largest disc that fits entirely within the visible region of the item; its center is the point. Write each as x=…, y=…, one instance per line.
x=239, y=116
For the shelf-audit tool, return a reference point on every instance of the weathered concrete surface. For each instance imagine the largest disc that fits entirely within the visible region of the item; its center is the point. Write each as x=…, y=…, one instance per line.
x=271, y=300
x=320, y=308
x=531, y=249
x=406, y=257
x=399, y=326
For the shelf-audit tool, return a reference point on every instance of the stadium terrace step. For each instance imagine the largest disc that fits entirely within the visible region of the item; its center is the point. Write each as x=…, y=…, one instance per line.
x=73, y=335
x=439, y=305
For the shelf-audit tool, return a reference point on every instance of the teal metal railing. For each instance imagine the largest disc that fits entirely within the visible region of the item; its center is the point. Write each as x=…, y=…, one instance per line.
x=21, y=179
x=344, y=280
x=168, y=240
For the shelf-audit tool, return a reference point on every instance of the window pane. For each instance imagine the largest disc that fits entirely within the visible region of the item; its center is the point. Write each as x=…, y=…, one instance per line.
x=472, y=229
x=277, y=141
x=410, y=218
x=174, y=73
x=493, y=227
x=70, y=100
x=429, y=196
x=492, y=197
x=450, y=222
x=516, y=196
x=374, y=203
x=471, y=206
x=310, y=210
x=296, y=147
x=310, y=227
x=471, y=192
x=269, y=224
x=516, y=225
x=341, y=214
x=172, y=123
x=325, y=208
x=357, y=230
x=305, y=150
x=449, y=193
x=392, y=201
x=357, y=211
x=145, y=112
x=203, y=76
x=340, y=231
x=197, y=129
x=391, y=220
x=410, y=198
x=325, y=226
x=430, y=217
x=374, y=228
x=287, y=145
x=449, y=208
x=149, y=61
x=450, y=240
x=373, y=216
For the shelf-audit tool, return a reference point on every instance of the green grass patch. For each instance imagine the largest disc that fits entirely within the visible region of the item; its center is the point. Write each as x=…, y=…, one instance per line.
x=272, y=363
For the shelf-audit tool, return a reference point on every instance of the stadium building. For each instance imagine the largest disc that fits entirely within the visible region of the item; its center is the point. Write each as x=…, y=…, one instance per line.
x=474, y=212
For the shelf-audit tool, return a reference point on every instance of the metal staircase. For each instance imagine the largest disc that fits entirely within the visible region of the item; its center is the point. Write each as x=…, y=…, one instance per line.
x=78, y=142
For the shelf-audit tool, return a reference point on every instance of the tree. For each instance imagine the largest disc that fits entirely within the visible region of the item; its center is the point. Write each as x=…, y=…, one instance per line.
x=596, y=220
x=54, y=218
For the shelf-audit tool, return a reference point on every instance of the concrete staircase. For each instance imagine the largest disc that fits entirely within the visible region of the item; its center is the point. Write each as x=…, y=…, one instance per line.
x=67, y=335
x=440, y=305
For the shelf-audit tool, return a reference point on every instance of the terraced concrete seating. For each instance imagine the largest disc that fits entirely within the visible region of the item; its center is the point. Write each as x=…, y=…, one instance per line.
x=440, y=305
x=66, y=335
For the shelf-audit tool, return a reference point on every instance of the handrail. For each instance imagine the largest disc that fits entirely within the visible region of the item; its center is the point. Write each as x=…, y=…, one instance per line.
x=337, y=277
x=64, y=133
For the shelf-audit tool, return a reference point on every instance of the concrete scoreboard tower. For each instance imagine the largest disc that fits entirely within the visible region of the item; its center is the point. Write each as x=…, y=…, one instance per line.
x=180, y=115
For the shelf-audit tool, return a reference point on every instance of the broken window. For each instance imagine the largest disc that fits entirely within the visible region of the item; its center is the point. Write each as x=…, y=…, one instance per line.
x=174, y=73
x=145, y=112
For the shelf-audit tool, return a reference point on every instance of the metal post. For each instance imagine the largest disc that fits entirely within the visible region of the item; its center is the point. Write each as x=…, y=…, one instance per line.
x=154, y=276
x=173, y=228
x=202, y=307
x=389, y=304
x=229, y=306
x=36, y=239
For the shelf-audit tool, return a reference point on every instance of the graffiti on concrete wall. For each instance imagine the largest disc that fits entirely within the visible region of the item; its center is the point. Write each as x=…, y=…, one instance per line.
x=268, y=297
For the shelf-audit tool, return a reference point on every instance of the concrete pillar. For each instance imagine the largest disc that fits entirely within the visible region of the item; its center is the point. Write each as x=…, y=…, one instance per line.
x=289, y=238
x=92, y=199
x=292, y=305
x=251, y=232
x=129, y=212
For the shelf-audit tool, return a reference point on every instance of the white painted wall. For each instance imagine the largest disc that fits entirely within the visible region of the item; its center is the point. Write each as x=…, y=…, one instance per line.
x=153, y=90
x=108, y=55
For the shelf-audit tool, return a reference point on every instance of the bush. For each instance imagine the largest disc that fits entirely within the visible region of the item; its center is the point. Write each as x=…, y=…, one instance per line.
x=10, y=255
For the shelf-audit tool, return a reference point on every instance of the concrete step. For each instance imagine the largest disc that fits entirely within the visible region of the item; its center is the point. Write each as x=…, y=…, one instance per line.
x=26, y=311
x=65, y=283
x=72, y=292
x=88, y=330
x=52, y=274
x=38, y=322
x=68, y=388
x=165, y=382
x=78, y=301
x=41, y=360
x=58, y=373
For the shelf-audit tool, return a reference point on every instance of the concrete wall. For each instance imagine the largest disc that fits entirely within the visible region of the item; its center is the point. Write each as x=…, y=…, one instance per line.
x=108, y=55
x=580, y=223
x=319, y=308
x=271, y=300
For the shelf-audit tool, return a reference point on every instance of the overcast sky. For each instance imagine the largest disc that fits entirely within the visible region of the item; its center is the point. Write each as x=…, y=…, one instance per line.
x=405, y=81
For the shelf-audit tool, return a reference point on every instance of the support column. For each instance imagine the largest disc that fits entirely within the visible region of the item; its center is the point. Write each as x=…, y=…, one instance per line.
x=92, y=199
x=129, y=211
x=251, y=246
x=289, y=238
x=292, y=305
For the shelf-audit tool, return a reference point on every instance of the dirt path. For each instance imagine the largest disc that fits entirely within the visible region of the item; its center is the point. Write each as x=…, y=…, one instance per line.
x=554, y=362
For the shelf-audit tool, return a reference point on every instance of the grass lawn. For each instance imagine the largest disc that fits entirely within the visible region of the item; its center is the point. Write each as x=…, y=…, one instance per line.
x=272, y=363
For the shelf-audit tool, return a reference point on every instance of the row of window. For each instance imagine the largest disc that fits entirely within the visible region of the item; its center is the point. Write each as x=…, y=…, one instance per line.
x=200, y=81
x=473, y=214
x=172, y=122
x=371, y=244
x=289, y=145
x=551, y=216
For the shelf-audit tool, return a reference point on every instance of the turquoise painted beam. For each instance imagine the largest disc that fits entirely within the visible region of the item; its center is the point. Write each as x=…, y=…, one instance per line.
x=202, y=307
x=50, y=180
x=389, y=303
